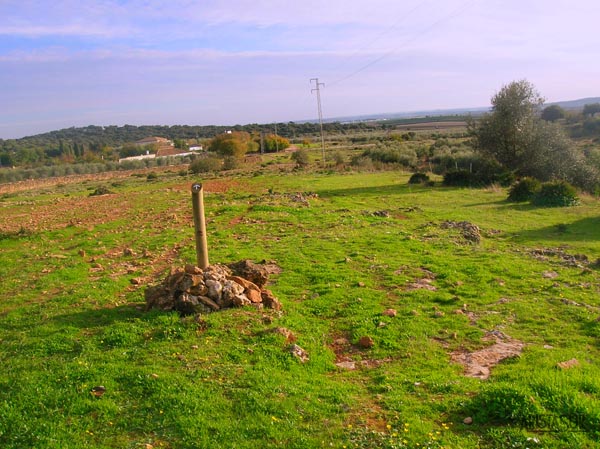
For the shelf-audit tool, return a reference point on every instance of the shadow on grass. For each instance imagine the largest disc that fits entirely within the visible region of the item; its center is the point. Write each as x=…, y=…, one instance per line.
x=98, y=318
x=586, y=229
x=375, y=190
x=504, y=204
x=362, y=191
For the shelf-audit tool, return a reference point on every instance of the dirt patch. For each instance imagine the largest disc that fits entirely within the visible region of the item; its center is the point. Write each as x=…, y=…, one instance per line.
x=31, y=184
x=349, y=356
x=65, y=212
x=479, y=363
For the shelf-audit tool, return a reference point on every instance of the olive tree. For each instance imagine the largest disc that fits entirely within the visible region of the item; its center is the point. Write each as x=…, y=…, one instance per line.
x=552, y=113
x=514, y=135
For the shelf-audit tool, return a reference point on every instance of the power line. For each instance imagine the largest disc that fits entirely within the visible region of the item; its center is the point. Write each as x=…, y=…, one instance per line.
x=392, y=27
x=318, y=90
x=453, y=14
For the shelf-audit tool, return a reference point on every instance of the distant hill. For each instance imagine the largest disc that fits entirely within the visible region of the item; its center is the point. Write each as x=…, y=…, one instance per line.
x=426, y=114
x=576, y=104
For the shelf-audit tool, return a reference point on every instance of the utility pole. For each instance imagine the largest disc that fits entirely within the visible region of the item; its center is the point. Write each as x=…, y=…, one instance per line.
x=318, y=90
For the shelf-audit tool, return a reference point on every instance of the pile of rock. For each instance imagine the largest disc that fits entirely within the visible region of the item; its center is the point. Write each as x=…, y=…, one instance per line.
x=193, y=290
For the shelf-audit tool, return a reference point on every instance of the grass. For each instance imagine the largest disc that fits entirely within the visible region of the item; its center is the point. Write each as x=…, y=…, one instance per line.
x=71, y=320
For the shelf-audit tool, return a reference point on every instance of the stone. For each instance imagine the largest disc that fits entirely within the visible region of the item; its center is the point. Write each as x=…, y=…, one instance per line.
x=288, y=334
x=298, y=352
x=241, y=300
x=230, y=290
x=192, y=269
x=568, y=364
x=98, y=390
x=208, y=302
x=158, y=297
x=254, y=295
x=348, y=364
x=255, y=273
x=366, y=342
x=468, y=420
x=187, y=304
x=243, y=282
x=215, y=289
x=269, y=300
x=390, y=312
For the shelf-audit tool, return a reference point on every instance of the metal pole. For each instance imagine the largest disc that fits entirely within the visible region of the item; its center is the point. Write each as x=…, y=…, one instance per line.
x=199, y=225
x=318, y=90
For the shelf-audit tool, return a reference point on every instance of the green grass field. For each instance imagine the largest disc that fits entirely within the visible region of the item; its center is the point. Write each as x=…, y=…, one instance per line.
x=351, y=246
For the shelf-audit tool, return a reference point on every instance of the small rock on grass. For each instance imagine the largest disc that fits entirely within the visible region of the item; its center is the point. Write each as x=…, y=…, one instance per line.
x=568, y=364
x=366, y=342
x=390, y=312
x=298, y=352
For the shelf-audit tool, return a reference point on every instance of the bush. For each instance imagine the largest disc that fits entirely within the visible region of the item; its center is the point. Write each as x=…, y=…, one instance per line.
x=485, y=173
x=206, y=164
x=508, y=405
x=392, y=154
x=556, y=194
x=301, y=158
x=338, y=158
x=419, y=178
x=459, y=178
x=524, y=190
x=230, y=163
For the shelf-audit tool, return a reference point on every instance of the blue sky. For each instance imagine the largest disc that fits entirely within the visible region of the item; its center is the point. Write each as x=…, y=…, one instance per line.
x=70, y=63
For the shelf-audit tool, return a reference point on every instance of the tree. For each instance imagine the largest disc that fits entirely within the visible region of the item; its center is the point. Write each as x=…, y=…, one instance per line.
x=552, y=113
x=591, y=109
x=514, y=135
x=275, y=143
x=235, y=143
x=506, y=134
x=180, y=144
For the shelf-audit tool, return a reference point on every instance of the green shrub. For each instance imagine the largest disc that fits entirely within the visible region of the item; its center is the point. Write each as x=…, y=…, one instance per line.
x=338, y=158
x=231, y=163
x=392, y=154
x=507, y=404
x=459, y=178
x=556, y=194
x=524, y=190
x=206, y=164
x=419, y=178
x=301, y=158
x=151, y=176
x=101, y=190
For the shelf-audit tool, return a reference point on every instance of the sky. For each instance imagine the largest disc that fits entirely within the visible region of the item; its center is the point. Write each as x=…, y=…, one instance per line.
x=66, y=63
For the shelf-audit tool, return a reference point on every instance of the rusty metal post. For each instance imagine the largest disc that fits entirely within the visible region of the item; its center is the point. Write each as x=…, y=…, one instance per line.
x=199, y=225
